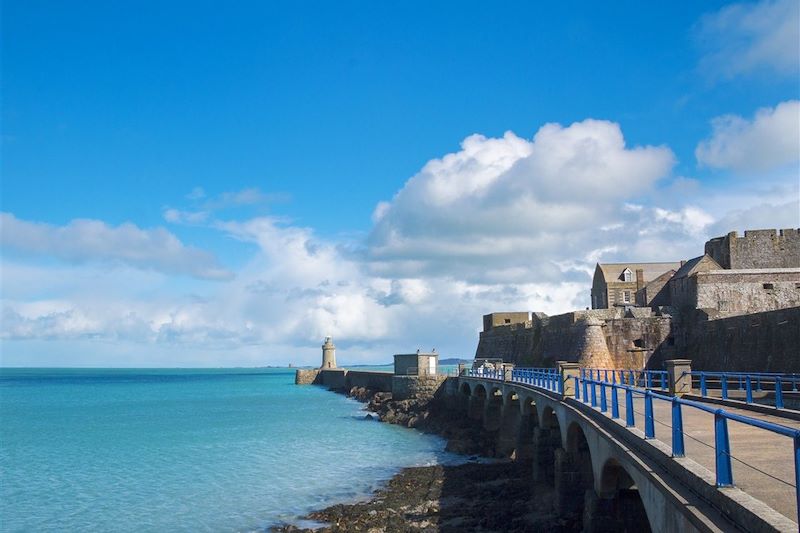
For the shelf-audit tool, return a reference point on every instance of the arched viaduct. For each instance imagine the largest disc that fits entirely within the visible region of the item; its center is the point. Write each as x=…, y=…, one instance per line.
x=601, y=471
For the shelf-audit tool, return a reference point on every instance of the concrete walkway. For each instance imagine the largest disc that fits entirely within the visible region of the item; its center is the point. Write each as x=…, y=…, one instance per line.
x=762, y=461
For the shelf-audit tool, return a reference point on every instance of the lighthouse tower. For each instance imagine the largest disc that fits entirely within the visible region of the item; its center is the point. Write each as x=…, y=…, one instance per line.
x=328, y=354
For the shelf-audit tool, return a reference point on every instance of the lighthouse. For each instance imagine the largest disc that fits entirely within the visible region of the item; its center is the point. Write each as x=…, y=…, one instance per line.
x=328, y=354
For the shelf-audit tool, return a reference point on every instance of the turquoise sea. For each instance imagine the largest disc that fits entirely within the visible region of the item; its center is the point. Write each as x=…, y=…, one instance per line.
x=175, y=450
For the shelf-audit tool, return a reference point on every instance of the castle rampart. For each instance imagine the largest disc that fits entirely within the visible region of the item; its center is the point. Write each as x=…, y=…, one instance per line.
x=763, y=248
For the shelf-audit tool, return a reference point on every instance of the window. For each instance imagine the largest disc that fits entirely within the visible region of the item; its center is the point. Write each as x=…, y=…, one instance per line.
x=626, y=275
x=507, y=321
x=769, y=286
x=626, y=297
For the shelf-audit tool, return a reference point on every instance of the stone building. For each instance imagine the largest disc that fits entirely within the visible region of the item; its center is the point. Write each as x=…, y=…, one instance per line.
x=416, y=364
x=737, y=306
x=622, y=284
x=503, y=319
x=683, y=285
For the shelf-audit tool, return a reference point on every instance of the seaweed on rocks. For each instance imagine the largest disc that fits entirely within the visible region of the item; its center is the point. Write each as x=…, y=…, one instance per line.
x=487, y=497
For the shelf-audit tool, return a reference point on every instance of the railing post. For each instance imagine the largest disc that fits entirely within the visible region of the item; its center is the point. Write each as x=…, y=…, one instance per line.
x=779, y=396
x=577, y=388
x=724, y=382
x=649, y=425
x=677, y=429
x=748, y=390
x=797, y=471
x=722, y=449
x=703, y=390
x=585, y=390
x=629, y=420
x=569, y=374
x=594, y=393
x=603, y=401
x=614, y=402
x=679, y=377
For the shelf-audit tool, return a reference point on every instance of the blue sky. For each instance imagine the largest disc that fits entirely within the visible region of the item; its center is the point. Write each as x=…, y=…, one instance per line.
x=211, y=184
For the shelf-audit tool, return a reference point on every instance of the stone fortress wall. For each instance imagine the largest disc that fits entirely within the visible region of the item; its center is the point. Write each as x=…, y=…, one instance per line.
x=763, y=248
x=738, y=292
x=544, y=340
x=757, y=342
x=743, y=317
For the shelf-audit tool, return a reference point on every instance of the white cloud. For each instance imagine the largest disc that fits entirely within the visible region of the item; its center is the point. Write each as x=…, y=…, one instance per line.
x=508, y=209
x=178, y=216
x=503, y=224
x=203, y=207
x=770, y=140
x=83, y=240
x=746, y=38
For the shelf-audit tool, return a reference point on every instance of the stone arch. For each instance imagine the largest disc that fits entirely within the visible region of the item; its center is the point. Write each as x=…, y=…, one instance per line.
x=463, y=398
x=529, y=420
x=574, y=476
x=493, y=411
x=509, y=424
x=619, y=505
x=477, y=402
x=546, y=440
x=549, y=419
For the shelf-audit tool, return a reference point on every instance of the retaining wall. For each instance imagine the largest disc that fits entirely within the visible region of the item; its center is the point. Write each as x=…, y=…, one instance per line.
x=375, y=381
x=308, y=376
x=404, y=387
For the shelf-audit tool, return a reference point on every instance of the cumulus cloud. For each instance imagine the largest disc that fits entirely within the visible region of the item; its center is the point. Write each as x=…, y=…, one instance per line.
x=202, y=207
x=83, y=240
x=770, y=140
x=502, y=224
x=502, y=209
x=751, y=37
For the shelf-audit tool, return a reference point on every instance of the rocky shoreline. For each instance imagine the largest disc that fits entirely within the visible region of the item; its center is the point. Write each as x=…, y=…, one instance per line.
x=476, y=496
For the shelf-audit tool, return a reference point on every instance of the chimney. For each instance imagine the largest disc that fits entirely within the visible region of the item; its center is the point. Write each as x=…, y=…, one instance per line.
x=683, y=262
x=639, y=278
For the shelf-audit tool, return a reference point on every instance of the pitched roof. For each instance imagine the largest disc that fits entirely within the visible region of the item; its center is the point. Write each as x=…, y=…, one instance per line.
x=613, y=271
x=697, y=264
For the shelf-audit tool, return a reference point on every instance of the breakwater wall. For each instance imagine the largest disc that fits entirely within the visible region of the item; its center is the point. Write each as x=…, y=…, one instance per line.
x=401, y=387
x=343, y=379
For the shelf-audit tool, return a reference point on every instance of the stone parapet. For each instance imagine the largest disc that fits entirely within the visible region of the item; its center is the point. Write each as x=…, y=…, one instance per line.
x=404, y=387
x=307, y=376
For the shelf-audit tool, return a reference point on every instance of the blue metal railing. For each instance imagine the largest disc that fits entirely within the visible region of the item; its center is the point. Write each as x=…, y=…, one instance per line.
x=545, y=378
x=646, y=379
x=746, y=382
x=595, y=386
x=587, y=390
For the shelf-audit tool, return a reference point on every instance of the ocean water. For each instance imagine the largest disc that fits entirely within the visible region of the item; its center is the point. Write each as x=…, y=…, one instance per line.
x=175, y=450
